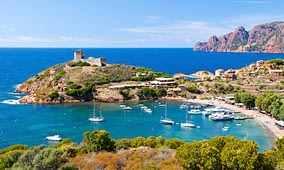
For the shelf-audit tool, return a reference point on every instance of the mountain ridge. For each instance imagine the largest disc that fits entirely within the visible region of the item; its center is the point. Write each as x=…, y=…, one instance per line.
x=266, y=38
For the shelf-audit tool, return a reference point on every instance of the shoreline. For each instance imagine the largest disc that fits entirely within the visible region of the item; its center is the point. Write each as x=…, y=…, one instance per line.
x=263, y=120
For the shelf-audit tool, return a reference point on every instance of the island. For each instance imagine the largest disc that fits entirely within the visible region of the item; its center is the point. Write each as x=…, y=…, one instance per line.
x=264, y=38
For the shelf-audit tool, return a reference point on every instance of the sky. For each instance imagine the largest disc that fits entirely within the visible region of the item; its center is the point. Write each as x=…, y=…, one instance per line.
x=128, y=23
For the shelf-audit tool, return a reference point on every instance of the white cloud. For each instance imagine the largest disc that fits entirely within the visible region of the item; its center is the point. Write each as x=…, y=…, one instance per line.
x=21, y=39
x=186, y=32
x=152, y=17
x=256, y=2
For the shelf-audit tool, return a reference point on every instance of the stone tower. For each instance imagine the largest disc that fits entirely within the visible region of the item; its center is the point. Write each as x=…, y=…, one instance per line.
x=78, y=55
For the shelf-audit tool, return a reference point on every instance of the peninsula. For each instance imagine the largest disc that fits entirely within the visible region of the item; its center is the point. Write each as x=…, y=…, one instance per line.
x=265, y=38
x=91, y=78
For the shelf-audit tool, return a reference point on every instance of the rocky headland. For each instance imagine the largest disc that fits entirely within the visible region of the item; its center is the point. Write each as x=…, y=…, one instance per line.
x=266, y=38
x=84, y=79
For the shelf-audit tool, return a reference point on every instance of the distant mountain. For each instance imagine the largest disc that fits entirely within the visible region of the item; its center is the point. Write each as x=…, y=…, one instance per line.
x=268, y=38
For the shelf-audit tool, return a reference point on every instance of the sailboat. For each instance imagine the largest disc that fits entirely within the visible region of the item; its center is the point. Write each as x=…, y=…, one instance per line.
x=96, y=118
x=187, y=123
x=166, y=120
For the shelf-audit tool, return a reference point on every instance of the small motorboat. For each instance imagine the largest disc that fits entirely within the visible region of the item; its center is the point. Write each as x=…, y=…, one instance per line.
x=127, y=108
x=194, y=112
x=54, y=138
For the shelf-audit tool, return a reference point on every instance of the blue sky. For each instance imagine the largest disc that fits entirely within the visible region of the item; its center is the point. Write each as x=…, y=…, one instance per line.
x=128, y=23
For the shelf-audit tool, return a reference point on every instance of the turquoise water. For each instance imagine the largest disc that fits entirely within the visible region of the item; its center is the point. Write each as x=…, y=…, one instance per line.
x=70, y=121
x=30, y=124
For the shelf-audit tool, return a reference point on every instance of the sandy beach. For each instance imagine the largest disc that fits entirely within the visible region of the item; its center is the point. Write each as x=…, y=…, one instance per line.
x=262, y=119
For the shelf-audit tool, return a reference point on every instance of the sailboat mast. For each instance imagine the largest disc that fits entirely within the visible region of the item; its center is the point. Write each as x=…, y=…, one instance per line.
x=186, y=110
x=94, y=110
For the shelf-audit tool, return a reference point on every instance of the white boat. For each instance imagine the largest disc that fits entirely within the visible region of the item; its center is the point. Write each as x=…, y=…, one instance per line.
x=54, y=138
x=96, y=118
x=122, y=106
x=279, y=124
x=148, y=110
x=215, y=109
x=11, y=101
x=222, y=117
x=194, y=112
x=166, y=120
x=144, y=107
x=225, y=128
x=127, y=108
x=187, y=123
x=184, y=106
x=206, y=113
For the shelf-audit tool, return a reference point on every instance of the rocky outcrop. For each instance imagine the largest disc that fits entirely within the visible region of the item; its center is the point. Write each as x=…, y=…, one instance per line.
x=268, y=38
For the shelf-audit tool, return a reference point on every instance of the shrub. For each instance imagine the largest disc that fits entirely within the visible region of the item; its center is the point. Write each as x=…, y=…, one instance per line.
x=98, y=140
x=59, y=74
x=79, y=63
x=193, y=89
x=70, y=166
x=53, y=95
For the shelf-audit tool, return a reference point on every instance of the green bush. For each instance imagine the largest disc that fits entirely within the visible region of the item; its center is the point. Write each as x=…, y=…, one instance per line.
x=193, y=89
x=79, y=92
x=59, y=74
x=148, y=93
x=53, y=95
x=70, y=166
x=79, y=63
x=98, y=140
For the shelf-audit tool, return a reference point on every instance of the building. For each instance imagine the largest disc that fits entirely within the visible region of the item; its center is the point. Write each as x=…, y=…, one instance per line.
x=180, y=76
x=252, y=67
x=174, y=91
x=161, y=81
x=276, y=73
x=78, y=55
x=259, y=63
x=96, y=61
x=268, y=66
x=219, y=73
x=230, y=75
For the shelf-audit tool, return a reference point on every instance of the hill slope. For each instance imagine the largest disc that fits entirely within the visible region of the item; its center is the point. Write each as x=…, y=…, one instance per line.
x=76, y=82
x=267, y=38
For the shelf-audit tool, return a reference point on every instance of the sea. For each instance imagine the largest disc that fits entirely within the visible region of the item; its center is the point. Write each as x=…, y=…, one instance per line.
x=30, y=124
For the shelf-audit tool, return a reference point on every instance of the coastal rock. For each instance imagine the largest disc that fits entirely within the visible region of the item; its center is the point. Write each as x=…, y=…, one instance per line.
x=261, y=38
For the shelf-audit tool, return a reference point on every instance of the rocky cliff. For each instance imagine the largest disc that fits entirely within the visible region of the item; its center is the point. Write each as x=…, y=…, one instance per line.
x=268, y=38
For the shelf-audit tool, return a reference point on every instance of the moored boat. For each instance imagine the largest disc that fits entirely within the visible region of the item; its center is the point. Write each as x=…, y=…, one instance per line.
x=195, y=112
x=54, y=138
x=279, y=124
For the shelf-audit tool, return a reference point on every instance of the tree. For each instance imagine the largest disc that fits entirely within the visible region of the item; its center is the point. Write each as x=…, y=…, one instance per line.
x=248, y=100
x=188, y=155
x=98, y=140
x=138, y=141
x=173, y=143
x=239, y=155
x=48, y=159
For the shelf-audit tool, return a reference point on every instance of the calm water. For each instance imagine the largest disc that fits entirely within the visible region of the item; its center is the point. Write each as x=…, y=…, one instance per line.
x=29, y=124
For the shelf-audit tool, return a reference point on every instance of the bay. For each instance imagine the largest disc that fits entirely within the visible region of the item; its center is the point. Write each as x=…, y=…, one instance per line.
x=29, y=124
